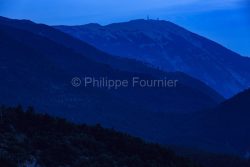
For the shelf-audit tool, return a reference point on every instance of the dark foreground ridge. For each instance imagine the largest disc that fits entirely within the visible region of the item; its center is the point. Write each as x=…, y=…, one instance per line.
x=30, y=139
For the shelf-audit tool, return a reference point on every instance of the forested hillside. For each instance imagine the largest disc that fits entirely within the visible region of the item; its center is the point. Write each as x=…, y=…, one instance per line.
x=27, y=139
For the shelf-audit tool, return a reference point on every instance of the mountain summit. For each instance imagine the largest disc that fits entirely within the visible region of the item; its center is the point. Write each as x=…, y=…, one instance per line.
x=170, y=47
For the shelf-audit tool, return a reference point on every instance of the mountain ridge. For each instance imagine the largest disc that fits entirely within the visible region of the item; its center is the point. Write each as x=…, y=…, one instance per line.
x=29, y=139
x=37, y=71
x=169, y=47
x=36, y=29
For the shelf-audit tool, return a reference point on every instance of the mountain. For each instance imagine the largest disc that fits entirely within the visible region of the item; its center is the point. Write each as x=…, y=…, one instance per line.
x=239, y=103
x=38, y=67
x=169, y=47
x=224, y=129
x=29, y=139
x=115, y=62
x=44, y=68
x=38, y=71
x=207, y=159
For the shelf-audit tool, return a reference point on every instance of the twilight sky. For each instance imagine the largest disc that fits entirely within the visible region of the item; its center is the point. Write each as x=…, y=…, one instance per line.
x=224, y=21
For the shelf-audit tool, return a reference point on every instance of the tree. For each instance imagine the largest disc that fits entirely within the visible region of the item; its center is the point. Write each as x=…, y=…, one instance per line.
x=2, y=109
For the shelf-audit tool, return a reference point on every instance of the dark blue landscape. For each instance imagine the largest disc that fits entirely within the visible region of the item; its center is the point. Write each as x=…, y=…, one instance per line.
x=50, y=116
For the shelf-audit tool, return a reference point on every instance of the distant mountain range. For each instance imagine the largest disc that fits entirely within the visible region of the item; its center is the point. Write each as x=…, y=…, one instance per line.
x=169, y=47
x=37, y=63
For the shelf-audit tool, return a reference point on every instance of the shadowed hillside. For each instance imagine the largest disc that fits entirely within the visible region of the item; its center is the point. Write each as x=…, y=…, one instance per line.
x=39, y=140
x=172, y=48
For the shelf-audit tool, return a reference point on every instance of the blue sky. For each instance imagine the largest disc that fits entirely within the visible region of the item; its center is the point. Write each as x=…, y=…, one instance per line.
x=224, y=21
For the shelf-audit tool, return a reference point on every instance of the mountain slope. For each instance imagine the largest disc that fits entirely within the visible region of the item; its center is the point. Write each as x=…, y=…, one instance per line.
x=223, y=129
x=171, y=48
x=239, y=103
x=93, y=54
x=29, y=139
x=38, y=59
x=207, y=159
x=37, y=71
